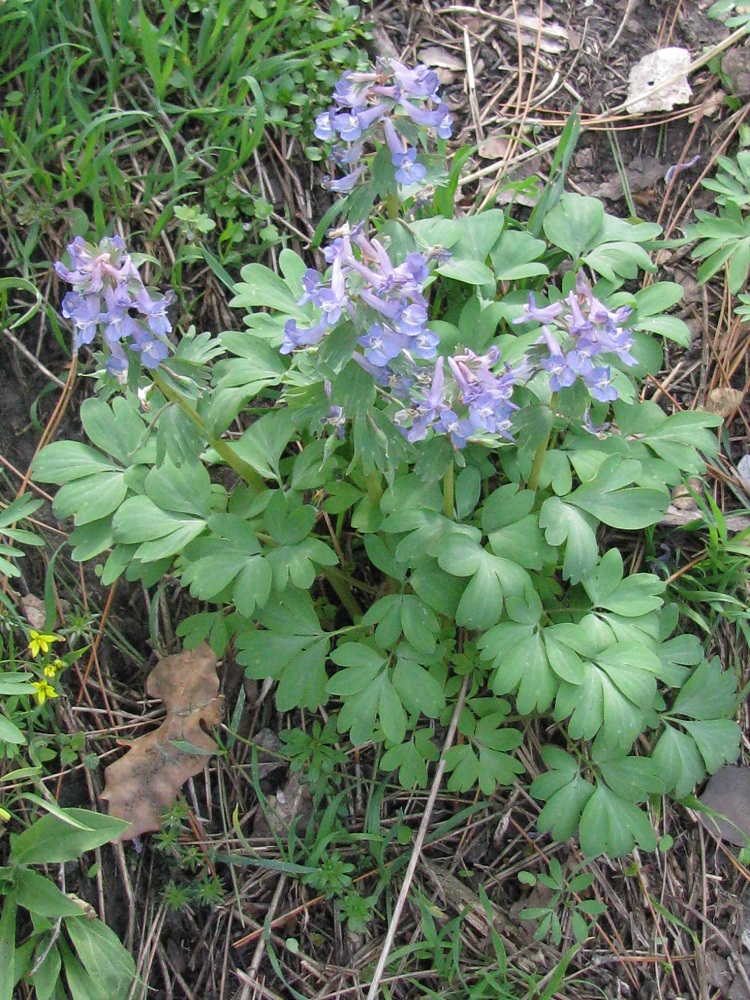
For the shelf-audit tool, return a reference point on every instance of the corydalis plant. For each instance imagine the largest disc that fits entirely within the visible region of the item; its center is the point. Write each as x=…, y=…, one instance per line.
x=109, y=297
x=425, y=456
x=381, y=107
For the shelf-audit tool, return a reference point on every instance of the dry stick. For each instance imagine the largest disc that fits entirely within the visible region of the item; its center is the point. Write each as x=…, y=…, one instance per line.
x=421, y=834
x=33, y=359
x=261, y=945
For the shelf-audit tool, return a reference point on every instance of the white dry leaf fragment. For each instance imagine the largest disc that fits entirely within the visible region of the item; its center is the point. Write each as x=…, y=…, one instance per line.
x=711, y=106
x=743, y=467
x=437, y=57
x=291, y=805
x=494, y=147
x=34, y=611
x=659, y=81
x=725, y=401
x=553, y=37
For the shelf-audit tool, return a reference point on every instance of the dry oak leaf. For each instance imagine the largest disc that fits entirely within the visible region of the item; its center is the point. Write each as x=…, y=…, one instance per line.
x=146, y=780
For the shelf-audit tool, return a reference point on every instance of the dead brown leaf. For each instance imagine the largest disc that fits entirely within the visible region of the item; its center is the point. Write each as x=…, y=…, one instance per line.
x=724, y=401
x=147, y=779
x=494, y=147
x=440, y=58
x=728, y=794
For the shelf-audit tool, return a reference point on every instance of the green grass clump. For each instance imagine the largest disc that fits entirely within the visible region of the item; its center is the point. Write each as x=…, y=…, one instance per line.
x=127, y=108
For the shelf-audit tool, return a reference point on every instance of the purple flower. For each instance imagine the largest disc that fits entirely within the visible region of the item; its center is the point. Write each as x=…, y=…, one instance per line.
x=344, y=184
x=439, y=118
x=311, y=282
x=348, y=126
x=332, y=300
x=351, y=90
x=429, y=409
x=119, y=324
x=599, y=385
x=417, y=82
x=409, y=171
x=539, y=314
x=84, y=311
x=382, y=344
x=424, y=344
x=117, y=361
x=459, y=430
x=153, y=352
x=155, y=310
x=324, y=127
x=295, y=338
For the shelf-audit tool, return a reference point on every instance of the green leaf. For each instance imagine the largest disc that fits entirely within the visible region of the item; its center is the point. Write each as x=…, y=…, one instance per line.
x=469, y=272
x=678, y=761
x=611, y=825
x=292, y=648
x=418, y=623
x=391, y=712
x=718, y=741
x=709, y=693
x=632, y=778
x=160, y=532
x=574, y=223
x=607, y=499
x=39, y=895
x=10, y=733
x=109, y=964
x=260, y=286
x=520, y=662
x=46, y=978
x=184, y=489
x=79, y=982
x=92, y=497
x=8, y=946
x=566, y=793
x=411, y=759
x=516, y=256
x=231, y=556
x=493, y=579
x=419, y=691
x=562, y=523
x=66, y=461
x=255, y=366
x=116, y=428
x=49, y=840
x=263, y=443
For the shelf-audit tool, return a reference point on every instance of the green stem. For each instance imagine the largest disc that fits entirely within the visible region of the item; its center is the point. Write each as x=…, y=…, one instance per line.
x=344, y=593
x=536, y=468
x=448, y=491
x=392, y=205
x=374, y=483
x=232, y=459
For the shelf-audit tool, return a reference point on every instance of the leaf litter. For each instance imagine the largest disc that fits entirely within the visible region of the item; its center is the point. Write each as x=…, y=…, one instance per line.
x=147, y=779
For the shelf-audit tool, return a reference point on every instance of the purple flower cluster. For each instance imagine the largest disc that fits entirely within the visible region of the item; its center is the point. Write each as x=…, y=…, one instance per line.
x=387, y=301
x=576, y=332
x=482, y=396
x=109, y=296
x=368, y=285
x=366, y=103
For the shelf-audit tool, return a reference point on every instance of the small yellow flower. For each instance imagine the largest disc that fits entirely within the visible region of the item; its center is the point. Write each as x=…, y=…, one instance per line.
x=44, y=690
x=54, y=668
x=4, y=815
x=41, y=641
